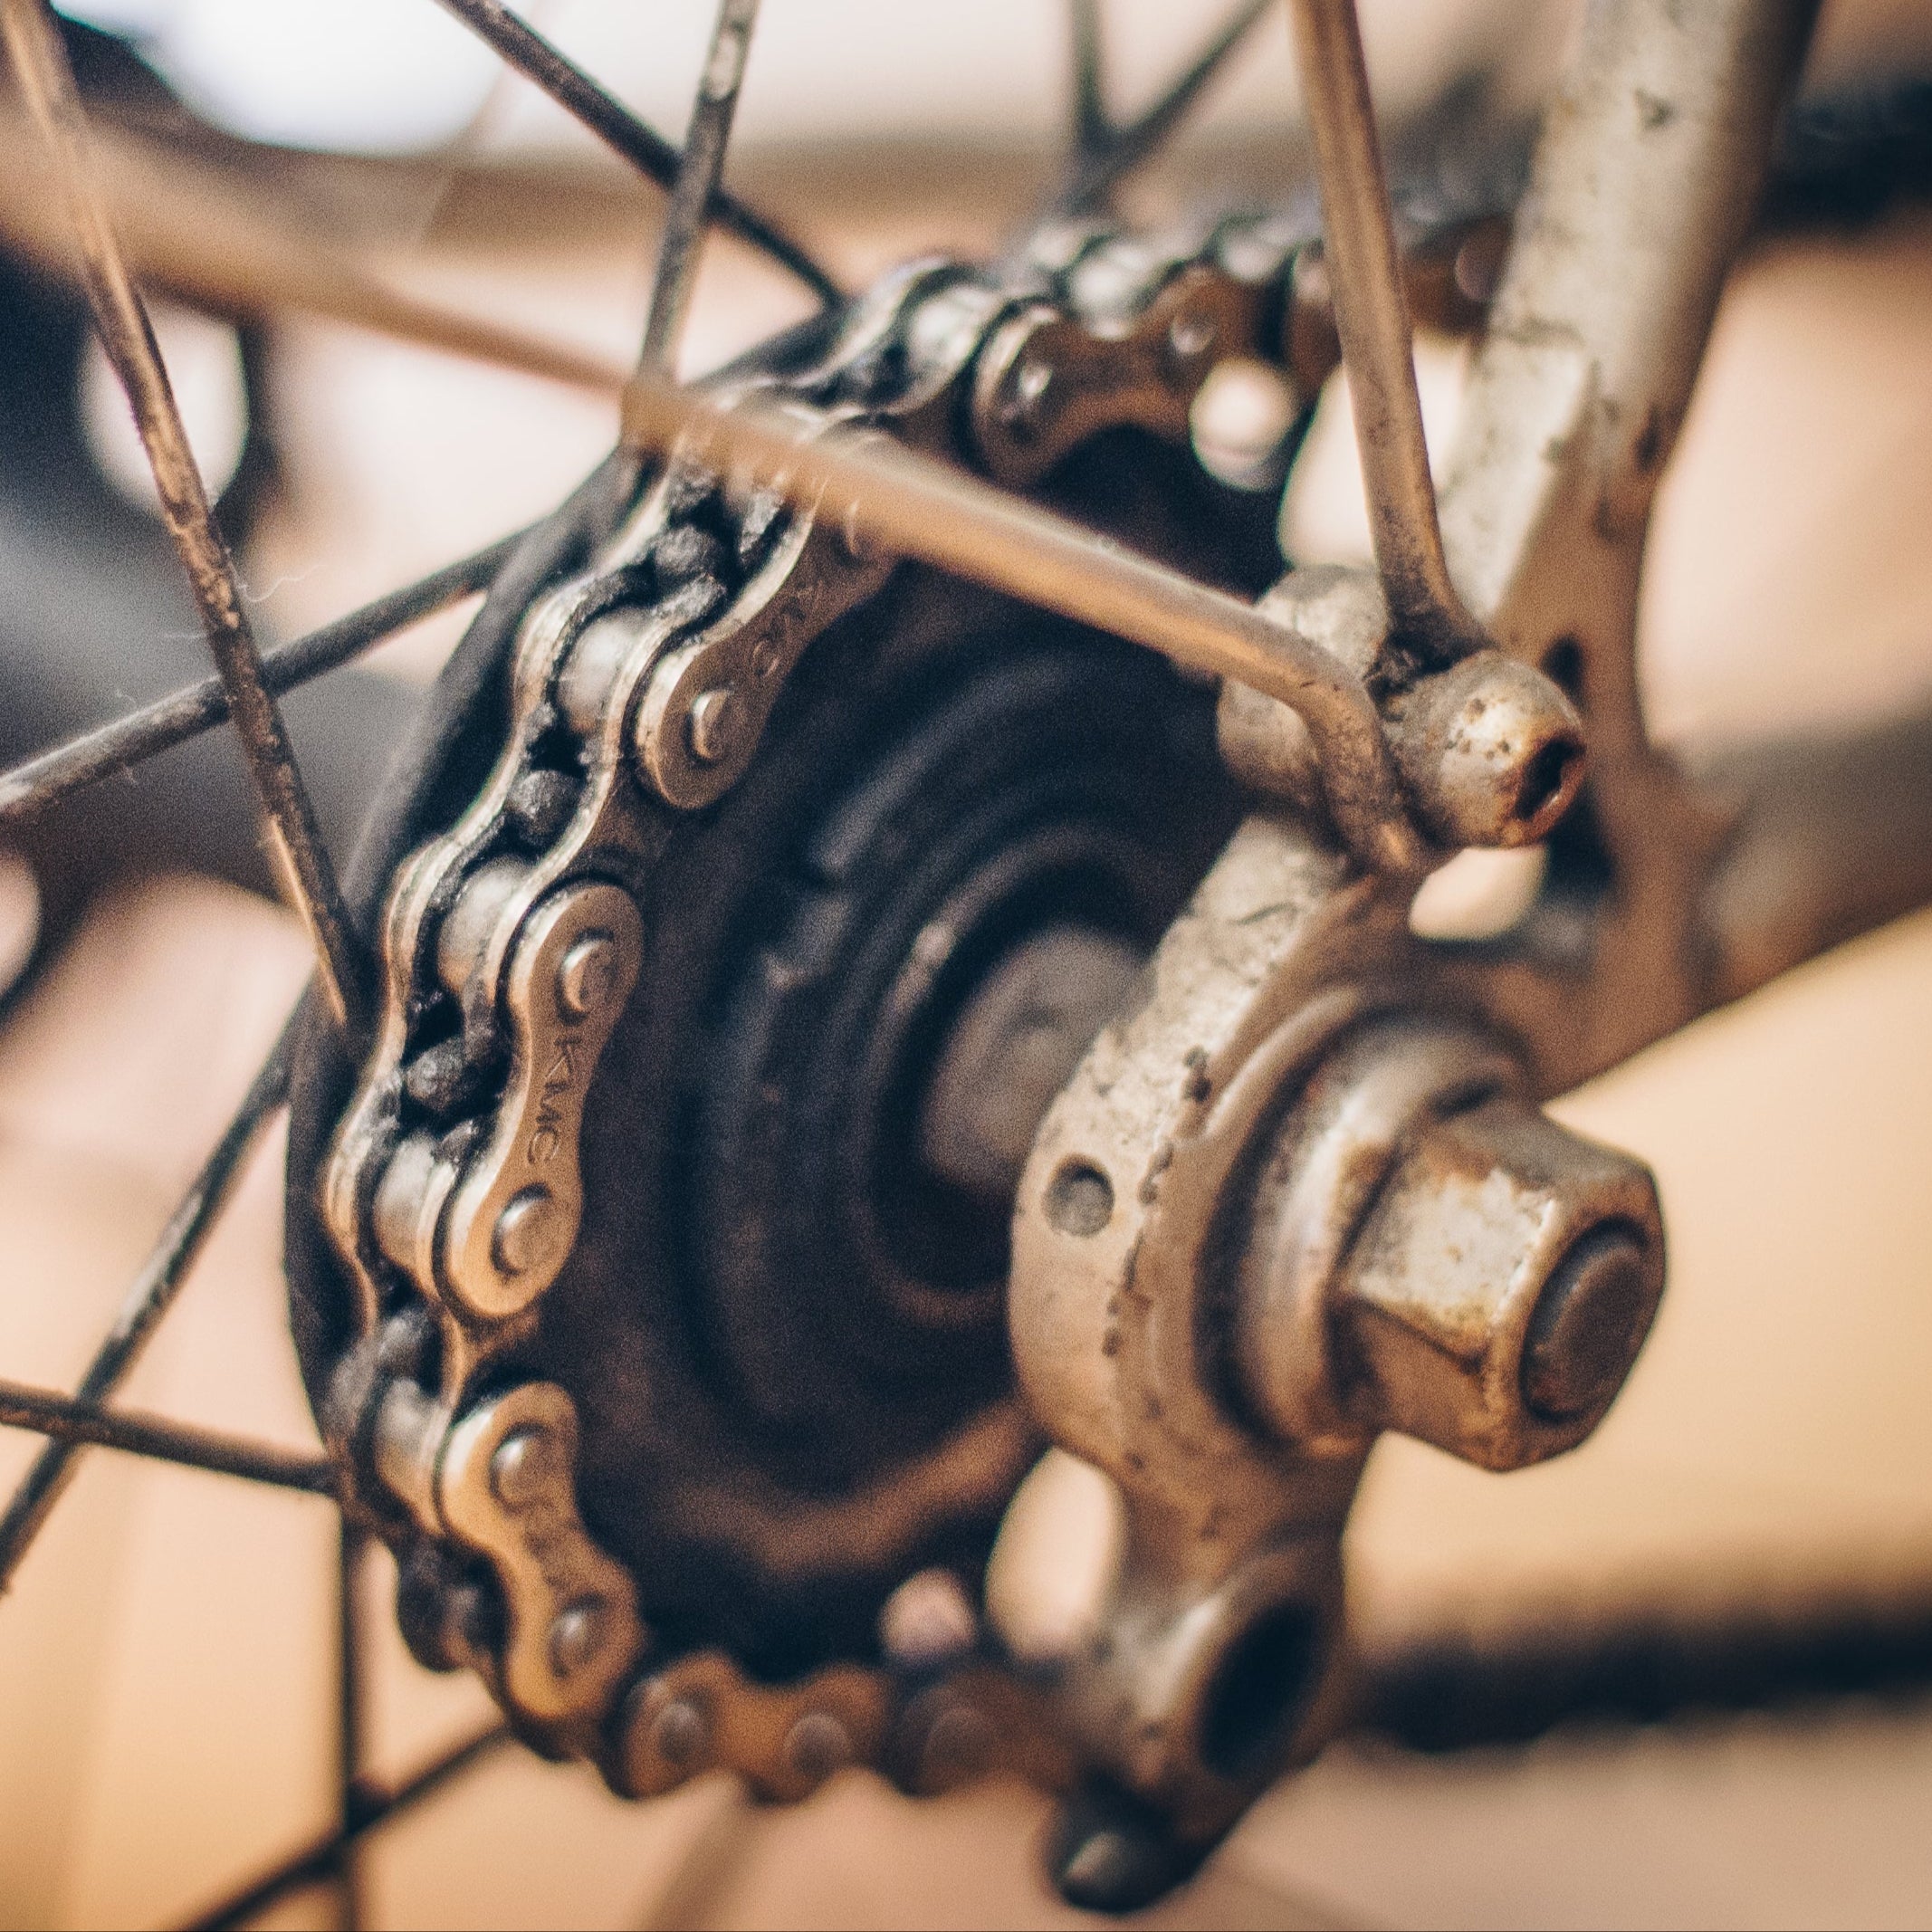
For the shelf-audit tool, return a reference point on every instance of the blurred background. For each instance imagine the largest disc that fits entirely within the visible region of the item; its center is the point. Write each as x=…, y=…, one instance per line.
x=1752, y=1526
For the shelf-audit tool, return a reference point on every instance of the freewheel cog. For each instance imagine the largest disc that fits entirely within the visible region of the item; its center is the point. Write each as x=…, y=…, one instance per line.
x=743, y=903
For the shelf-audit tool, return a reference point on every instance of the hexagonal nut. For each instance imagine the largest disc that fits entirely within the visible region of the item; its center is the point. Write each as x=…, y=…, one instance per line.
x=1501, y=1287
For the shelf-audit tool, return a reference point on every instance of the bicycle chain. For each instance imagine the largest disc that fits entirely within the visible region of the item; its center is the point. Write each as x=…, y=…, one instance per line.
x=641, y=687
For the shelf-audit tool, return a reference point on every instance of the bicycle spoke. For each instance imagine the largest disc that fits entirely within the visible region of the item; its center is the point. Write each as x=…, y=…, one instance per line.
x=613, y=124
x=47, y=1412
x=151, y=1298
x=1371, y=318
x=1100, y=164
x=1089, y=127
x=705, y=141
x=191, y=231
x=351, y=1690
x=375, y=1805
x=48, y=777
x=40, y=64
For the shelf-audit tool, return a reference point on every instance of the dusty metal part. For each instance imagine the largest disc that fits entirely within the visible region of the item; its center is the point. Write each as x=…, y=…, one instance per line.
x=1490, y=751
x=1298, y=1195
x=1113, y=1291
x=1429, y=1253
x=1643, y=187
x=1048, y=380
x=641, y=686
x=706, y=705
x=512, y=1219
x=1480, y=1279
x=1010, y=1051
x=704, y=1714
x=1371, y=318
x=505, y=1484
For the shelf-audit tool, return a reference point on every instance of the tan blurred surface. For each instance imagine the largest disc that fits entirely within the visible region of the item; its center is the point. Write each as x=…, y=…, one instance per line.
x=163, y=1660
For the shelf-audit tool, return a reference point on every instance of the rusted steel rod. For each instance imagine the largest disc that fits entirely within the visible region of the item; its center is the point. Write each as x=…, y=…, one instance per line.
x=1371, y=318
x=150, y=1298
x=918, y=508
x=49, y=1413
x=373, y=1806
x=200, y=235
x=617, y=128
x=696, y=186
x=48, y=777
x=40, y=66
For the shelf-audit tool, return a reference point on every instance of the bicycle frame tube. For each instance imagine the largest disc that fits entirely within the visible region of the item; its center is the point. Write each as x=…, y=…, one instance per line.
x=1645, y=182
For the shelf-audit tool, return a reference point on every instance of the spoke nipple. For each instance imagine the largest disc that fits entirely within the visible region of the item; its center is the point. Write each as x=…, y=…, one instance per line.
x=816, y=1746
x=522, y=1468
x=576, y=1635
x=712, y=727
x=525, y=1230
x=588, y=975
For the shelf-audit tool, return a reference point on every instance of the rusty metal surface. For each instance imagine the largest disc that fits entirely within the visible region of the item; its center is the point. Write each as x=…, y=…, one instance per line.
x=1296, y=1194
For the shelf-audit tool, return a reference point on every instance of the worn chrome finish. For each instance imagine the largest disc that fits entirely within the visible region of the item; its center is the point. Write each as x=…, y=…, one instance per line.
x=512, y=1219
x=434, y=1186
x=1430, y=1254
x=1372, y=320
x=1643, y=187
x=1490, y=751
x=1298, y=1192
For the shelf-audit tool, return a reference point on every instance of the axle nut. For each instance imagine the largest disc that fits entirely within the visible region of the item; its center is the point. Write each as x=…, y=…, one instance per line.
x=1502, y=1285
